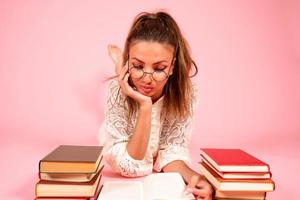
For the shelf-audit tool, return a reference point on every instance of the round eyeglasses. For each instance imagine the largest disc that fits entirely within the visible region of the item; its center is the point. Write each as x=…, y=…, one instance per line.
x=137, y=72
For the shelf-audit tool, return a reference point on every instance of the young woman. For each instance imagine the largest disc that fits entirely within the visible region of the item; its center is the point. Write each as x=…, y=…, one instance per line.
x=150, y=103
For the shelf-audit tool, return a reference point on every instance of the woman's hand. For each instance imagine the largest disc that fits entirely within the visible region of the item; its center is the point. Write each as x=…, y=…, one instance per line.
x=115, y=54
x=199, y=186
x=131, y=92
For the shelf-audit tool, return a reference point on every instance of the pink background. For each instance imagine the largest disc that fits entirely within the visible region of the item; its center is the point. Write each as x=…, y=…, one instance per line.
x=53, y=61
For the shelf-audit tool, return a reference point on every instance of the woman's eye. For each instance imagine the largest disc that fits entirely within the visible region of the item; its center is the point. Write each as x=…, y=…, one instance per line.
x=137, y=66
x=159, y=69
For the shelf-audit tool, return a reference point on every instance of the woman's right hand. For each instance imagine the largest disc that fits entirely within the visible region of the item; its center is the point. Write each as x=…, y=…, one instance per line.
x=115, y=54
x=130, y=91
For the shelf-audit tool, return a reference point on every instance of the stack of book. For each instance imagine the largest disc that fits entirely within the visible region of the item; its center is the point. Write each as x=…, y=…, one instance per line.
x=72, y=172
x=236, y=174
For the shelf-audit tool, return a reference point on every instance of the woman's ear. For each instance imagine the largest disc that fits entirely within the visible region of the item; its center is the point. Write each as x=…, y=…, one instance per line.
x=172, y=67
x=171, y=70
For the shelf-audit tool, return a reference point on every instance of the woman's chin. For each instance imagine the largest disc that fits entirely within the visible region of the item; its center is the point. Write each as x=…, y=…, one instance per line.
x=148, y=94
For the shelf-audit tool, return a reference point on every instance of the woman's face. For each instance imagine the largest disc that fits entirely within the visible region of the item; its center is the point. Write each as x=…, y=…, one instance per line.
x=155, y=60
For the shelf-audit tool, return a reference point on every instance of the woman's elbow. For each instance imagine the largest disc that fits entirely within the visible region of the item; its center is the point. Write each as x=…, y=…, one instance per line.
x=126, y=168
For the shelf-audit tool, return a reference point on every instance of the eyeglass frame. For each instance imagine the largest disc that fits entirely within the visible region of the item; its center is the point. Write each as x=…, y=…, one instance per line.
x=151, y=73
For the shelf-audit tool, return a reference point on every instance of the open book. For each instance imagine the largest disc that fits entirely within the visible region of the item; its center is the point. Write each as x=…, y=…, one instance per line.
x=159, y=186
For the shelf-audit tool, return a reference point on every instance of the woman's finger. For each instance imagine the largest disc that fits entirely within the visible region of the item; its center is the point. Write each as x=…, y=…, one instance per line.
x=202, y=193
x=125, y=81
x=200, y=185
x=126, y=88
x=122, y=74
x=193, y=182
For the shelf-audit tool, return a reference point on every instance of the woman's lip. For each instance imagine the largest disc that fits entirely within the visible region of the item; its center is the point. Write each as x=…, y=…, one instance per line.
x=146, y=89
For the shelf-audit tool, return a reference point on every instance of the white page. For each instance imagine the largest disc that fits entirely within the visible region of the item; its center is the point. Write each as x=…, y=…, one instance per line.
x=165, y=186
x=122, y=190
x=158, y=186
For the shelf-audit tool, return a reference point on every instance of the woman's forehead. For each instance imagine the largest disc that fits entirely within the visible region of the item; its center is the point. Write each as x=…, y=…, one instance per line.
x=151, y=51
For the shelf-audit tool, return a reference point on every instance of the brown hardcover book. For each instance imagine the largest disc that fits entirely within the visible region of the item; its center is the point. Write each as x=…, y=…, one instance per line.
x=71, y=177
x=239, y=175
x=72, y=159
x=242, y=195
x=264, y=185
x=68, y=189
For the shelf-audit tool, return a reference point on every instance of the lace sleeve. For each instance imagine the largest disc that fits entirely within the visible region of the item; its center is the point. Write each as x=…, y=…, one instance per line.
x=114, y=134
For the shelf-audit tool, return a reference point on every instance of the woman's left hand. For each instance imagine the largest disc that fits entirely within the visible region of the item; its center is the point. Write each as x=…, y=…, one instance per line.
x=200, y=187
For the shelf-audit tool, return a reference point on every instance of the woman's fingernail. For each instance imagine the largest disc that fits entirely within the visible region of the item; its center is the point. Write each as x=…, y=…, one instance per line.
x=188, y=190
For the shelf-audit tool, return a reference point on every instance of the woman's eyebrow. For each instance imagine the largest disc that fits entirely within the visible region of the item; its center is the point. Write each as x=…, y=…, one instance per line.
x=161, y=61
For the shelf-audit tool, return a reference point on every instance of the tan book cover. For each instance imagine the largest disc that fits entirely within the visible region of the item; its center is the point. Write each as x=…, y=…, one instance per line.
x=71, y=159
x=221, y=184
x=67, y=189
x=242, y=195
x=95, y=197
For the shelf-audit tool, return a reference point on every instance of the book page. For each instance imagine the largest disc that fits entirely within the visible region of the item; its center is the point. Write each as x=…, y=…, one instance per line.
x=165, y=186
x=125, y=190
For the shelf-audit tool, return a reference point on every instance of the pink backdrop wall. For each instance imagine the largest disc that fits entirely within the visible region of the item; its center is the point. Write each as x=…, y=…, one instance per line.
x=53, y=60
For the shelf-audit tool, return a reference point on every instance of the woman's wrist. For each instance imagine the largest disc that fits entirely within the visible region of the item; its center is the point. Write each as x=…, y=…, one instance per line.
x=146, y=105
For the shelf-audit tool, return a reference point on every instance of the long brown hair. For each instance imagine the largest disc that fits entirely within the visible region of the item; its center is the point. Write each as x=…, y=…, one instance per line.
x=178, y=93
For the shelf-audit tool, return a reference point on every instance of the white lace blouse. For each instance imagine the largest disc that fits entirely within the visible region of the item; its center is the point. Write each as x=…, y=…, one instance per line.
x=168, y=141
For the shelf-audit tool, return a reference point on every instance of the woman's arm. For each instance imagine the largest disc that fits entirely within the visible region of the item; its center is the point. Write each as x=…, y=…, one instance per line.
x=138, y=143
x=116, y=132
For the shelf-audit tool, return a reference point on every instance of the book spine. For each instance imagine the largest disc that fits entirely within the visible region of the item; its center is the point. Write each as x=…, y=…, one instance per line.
x=40, y=165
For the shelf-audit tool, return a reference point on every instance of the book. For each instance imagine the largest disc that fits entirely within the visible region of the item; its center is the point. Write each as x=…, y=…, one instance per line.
x=163, y=186
x=239, y=175
x=62, y=198
x=95, y=197
x=67, y=189
x=235, y=199
x=71, y=159
x=240, y=195
x=70, y=177
x=233, y=160
x=221, y=184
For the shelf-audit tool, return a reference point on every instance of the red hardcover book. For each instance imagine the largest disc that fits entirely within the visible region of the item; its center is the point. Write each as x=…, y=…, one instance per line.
x=239, y=175
x=233, y=160
x=263, y=185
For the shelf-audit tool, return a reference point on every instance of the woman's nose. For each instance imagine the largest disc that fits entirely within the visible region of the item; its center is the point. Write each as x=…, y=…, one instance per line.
x=147, y=77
